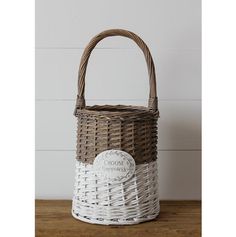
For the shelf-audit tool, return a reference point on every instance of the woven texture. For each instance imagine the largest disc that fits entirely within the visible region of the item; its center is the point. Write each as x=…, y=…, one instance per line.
x=131, y=129
x=130, y=202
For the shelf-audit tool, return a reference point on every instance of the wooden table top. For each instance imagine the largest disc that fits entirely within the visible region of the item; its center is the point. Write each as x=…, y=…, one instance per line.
x=176, y=219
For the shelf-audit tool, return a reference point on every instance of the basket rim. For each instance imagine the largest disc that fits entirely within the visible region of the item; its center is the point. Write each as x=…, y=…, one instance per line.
x=116, y=110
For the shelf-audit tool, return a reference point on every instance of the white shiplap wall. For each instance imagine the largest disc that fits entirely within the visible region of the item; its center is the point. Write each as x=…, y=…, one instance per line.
x=117, y=74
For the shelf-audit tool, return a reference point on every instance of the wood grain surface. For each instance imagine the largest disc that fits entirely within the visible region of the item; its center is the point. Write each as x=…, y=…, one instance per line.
x=177, y=219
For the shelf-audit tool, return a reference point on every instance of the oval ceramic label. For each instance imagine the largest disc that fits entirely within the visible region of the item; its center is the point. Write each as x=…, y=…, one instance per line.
x=114, y=166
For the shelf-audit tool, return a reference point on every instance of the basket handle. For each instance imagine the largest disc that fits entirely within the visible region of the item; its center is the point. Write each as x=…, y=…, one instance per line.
x=80, y=102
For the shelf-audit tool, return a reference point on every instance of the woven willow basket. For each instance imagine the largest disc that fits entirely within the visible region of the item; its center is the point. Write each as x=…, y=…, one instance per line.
x=116, y=180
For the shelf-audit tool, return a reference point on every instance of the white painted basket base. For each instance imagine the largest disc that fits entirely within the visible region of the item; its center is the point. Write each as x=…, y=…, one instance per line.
x=131, y=202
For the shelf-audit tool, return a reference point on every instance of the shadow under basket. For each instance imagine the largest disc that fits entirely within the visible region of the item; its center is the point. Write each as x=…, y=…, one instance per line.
x=116, y=181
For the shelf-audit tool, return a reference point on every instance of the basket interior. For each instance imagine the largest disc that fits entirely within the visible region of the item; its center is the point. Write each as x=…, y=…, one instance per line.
x=117, y=109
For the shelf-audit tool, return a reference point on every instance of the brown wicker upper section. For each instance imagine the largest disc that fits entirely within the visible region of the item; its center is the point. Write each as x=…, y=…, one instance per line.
x=128, y=128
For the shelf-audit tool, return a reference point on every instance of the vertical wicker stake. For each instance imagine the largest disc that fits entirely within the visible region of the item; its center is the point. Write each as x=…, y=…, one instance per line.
x=116, y=163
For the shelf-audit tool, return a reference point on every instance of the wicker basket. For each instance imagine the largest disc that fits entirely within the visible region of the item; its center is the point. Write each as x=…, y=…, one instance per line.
x=116, y=179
